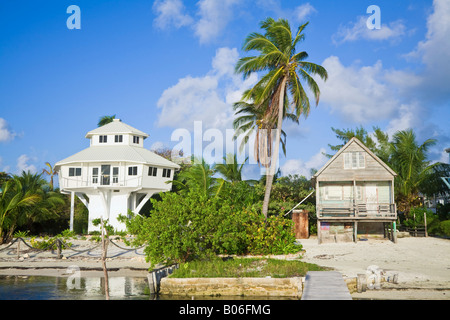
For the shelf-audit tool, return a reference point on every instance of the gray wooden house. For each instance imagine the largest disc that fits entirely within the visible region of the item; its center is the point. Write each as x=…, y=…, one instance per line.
x=354, y=195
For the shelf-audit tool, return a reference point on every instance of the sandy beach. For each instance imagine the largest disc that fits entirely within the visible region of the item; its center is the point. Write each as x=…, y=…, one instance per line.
x=422, y=264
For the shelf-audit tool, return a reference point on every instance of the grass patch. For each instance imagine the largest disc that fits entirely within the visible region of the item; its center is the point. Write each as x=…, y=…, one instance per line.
x=244, y=267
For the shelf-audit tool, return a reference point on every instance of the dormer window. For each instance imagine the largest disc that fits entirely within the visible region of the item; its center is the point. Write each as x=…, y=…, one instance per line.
x=354, y=160
x=136, y=139
x=103, y=139
x=118, y=138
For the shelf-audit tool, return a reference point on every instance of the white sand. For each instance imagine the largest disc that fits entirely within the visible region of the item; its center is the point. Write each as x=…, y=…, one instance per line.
x=421, y=263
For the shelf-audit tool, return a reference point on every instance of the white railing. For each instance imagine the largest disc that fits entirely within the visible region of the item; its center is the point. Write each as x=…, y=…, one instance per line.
x=100, y=181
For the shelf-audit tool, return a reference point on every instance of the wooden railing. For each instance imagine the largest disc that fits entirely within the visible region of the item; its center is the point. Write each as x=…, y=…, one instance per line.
x=360, y=210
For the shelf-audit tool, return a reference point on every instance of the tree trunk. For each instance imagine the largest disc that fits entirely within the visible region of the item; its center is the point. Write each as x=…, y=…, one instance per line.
x=274, y=160
x=104, y=253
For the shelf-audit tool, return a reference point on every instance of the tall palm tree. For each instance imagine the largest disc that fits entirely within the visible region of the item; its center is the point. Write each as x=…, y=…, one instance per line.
x=105, y=120
x=49, y=172
x=409, y=160
x=255, y=118
x=285, y=67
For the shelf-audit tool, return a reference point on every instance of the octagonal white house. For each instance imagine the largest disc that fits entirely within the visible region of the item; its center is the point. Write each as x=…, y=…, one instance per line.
x=116, y=173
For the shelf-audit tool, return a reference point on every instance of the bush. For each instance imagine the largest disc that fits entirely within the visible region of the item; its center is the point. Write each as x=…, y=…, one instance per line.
x=416, y=217
x=194, y=226
x=445, y=228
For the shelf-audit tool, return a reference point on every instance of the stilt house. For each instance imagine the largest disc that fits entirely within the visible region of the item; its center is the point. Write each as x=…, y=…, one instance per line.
x=354, y=195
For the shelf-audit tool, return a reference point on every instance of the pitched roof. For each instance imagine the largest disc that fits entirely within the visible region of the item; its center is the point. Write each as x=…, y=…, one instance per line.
x=115, y=153
x=116, y=127
x=354, y=140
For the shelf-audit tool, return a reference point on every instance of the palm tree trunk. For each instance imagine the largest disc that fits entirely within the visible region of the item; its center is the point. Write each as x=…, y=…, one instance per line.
x=274, y=160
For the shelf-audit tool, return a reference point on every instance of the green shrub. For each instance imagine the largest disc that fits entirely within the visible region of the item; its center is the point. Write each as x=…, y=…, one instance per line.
x=194, y=226
x=416, y=217
x=445, y=228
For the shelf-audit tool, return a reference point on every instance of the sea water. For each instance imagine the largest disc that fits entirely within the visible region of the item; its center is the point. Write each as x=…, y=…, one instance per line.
x=66, y=288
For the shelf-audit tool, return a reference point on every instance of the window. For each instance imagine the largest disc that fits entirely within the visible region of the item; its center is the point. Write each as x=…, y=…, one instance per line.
x=74, y=172
x=94, y=175
x=136, y=139
x=337, y=192
x=103, y=139
x=166, y=173
x=152, y=171
x=354, y=160
x=115, y=175
x=132, y=171
x=118, y=138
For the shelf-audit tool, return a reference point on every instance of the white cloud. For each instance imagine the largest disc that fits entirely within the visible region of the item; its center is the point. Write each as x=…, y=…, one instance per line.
x=205, y=98
x=303, y=11
x=297, y=15
x=359, y=94
x=22, y=164
x=171, y=12
x=214, y=17
x=358, y=30
x=434, y=52
x=298, y=166
x=157, y=146
x=6, y=134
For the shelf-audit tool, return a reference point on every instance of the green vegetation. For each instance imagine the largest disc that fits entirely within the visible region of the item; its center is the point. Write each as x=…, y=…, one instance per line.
x=244, y=267
x=191, y=225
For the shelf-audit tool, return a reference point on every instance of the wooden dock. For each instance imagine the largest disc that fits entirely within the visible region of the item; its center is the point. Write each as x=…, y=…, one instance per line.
x=325, y=285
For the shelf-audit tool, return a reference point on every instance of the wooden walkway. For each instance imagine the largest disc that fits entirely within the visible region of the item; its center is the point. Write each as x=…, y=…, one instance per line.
x=325, y=285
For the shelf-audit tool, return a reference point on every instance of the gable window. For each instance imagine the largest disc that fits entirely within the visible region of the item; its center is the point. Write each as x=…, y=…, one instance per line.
x=132, y=171
x=118, y=138
x=136, y=139
x=354, y=160
x=152, y=171
x=103, y=139
x=166, y=173
x=74, y=172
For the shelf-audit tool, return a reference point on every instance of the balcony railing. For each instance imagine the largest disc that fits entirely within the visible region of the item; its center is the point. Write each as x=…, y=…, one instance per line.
x=99, y=181
x=358, y=211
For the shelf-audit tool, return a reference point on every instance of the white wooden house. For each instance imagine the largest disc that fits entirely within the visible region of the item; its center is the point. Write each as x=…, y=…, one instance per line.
x=354, y=194
x=114, y=174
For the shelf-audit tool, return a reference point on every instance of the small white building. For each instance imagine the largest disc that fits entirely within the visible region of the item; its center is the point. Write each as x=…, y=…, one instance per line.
x=116, y=173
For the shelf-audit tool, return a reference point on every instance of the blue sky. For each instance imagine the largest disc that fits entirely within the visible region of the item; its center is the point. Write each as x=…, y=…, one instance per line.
x=161, y=65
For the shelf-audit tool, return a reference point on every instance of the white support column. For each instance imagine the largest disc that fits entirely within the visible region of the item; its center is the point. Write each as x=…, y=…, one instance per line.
x=142, y=203
x=82, y=199
x=72, y=209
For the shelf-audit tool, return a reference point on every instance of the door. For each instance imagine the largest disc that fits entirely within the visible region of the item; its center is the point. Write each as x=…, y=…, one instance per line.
x=106, y=175
x=371, y=198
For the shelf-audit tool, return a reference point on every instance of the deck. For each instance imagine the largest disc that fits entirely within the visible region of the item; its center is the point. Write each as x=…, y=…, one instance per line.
x=325, y=285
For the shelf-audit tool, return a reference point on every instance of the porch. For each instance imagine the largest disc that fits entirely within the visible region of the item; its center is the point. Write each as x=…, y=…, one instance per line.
x=358, y=211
